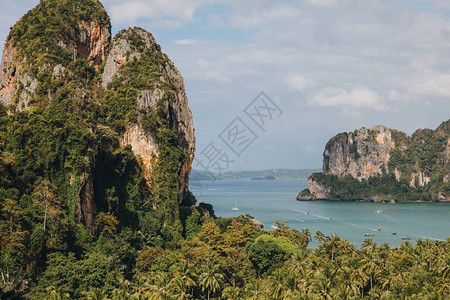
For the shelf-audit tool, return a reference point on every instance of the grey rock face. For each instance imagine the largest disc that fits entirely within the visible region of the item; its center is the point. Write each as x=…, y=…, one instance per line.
x=149, y=99
x=317, y=190
x=361, y=154
x=123, y=51
x=8, y=74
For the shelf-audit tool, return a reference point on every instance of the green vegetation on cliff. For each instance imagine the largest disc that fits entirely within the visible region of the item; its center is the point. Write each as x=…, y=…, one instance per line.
x=381, y=164
x=76, y=207
x=378, y=187
x=39, y=34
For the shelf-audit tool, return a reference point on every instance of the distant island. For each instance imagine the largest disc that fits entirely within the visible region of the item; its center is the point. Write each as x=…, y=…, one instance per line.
x=382, y=164
x=270, y=174
x=263, y=178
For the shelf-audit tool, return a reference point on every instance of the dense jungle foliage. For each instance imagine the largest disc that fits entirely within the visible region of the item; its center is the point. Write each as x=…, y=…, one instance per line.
x=227, y=258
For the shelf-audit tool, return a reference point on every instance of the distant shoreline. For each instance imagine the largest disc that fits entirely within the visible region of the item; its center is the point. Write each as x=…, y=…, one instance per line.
x=370, y=200
x=269, y=174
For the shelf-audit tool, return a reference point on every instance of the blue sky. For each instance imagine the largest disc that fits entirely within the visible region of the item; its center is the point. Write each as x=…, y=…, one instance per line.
x=329, y=65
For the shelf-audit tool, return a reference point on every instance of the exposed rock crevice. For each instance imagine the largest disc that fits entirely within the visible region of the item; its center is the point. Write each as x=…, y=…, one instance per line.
x=86, y=208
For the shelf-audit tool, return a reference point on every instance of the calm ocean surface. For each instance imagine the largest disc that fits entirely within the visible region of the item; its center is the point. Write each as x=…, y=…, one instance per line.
x=269, y=200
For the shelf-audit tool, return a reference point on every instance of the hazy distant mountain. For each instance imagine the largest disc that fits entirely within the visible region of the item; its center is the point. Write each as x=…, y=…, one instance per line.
x=276, y=173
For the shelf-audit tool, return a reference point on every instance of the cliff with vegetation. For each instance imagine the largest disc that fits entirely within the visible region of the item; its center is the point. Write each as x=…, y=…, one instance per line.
x=96, y=136
x=382, y=164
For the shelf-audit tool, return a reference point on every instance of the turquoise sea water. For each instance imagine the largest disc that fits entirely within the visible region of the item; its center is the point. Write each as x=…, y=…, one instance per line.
x=269, y=200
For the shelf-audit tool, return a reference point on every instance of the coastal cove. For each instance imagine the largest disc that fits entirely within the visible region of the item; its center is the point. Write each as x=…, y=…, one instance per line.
x=270, y=200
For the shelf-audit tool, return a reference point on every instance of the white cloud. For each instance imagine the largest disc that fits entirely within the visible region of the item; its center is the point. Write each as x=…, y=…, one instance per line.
x=299, y=83
x=356, y=98
x=322, y=3
x=186, y=42
x=260, y=18
x=217, y=76
x=309, y=148
x=438, y=86
x=131, y=11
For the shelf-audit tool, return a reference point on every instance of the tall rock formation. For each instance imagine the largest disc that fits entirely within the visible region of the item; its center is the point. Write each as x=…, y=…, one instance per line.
x=384, y=162
x=109, y=94
x=166, y=92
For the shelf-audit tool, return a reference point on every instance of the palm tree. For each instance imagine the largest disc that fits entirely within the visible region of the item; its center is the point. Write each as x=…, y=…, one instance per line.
x=96, y=294
x=124, y=290
x=357, y=278
x=141, y=283
x=344, y=292
x=183, y=281
x=255, y=289
x=306, y=237
x=57, y=295
x=444, y=282
x=136, y=296
x=160, y=288
x=322, y=286
x=332, y=242
x=320, y=237
x=370, y=266
x=231, y=293
x=210, y=279
x=180, y=287
x=277, y=285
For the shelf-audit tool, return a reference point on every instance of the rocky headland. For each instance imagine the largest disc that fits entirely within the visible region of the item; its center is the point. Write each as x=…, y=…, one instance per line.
x=383, y=164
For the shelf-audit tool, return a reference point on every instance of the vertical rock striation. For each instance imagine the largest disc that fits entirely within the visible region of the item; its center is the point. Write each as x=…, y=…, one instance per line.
x=360, y=154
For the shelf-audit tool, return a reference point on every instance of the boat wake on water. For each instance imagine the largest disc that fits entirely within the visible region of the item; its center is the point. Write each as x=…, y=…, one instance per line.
x=405, y=235
x=332, y=219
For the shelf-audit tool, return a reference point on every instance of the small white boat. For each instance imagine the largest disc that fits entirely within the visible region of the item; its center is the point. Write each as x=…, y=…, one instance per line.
x=379, y=211
x=378, y=229
x=368, y=234
x=274, y=226
x=394, y=233
x=235, y=205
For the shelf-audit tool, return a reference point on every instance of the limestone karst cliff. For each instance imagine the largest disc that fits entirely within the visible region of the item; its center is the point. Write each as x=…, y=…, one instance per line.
x=102, y=118
x=164, y=92
x=382, y=163
x=361, y=154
